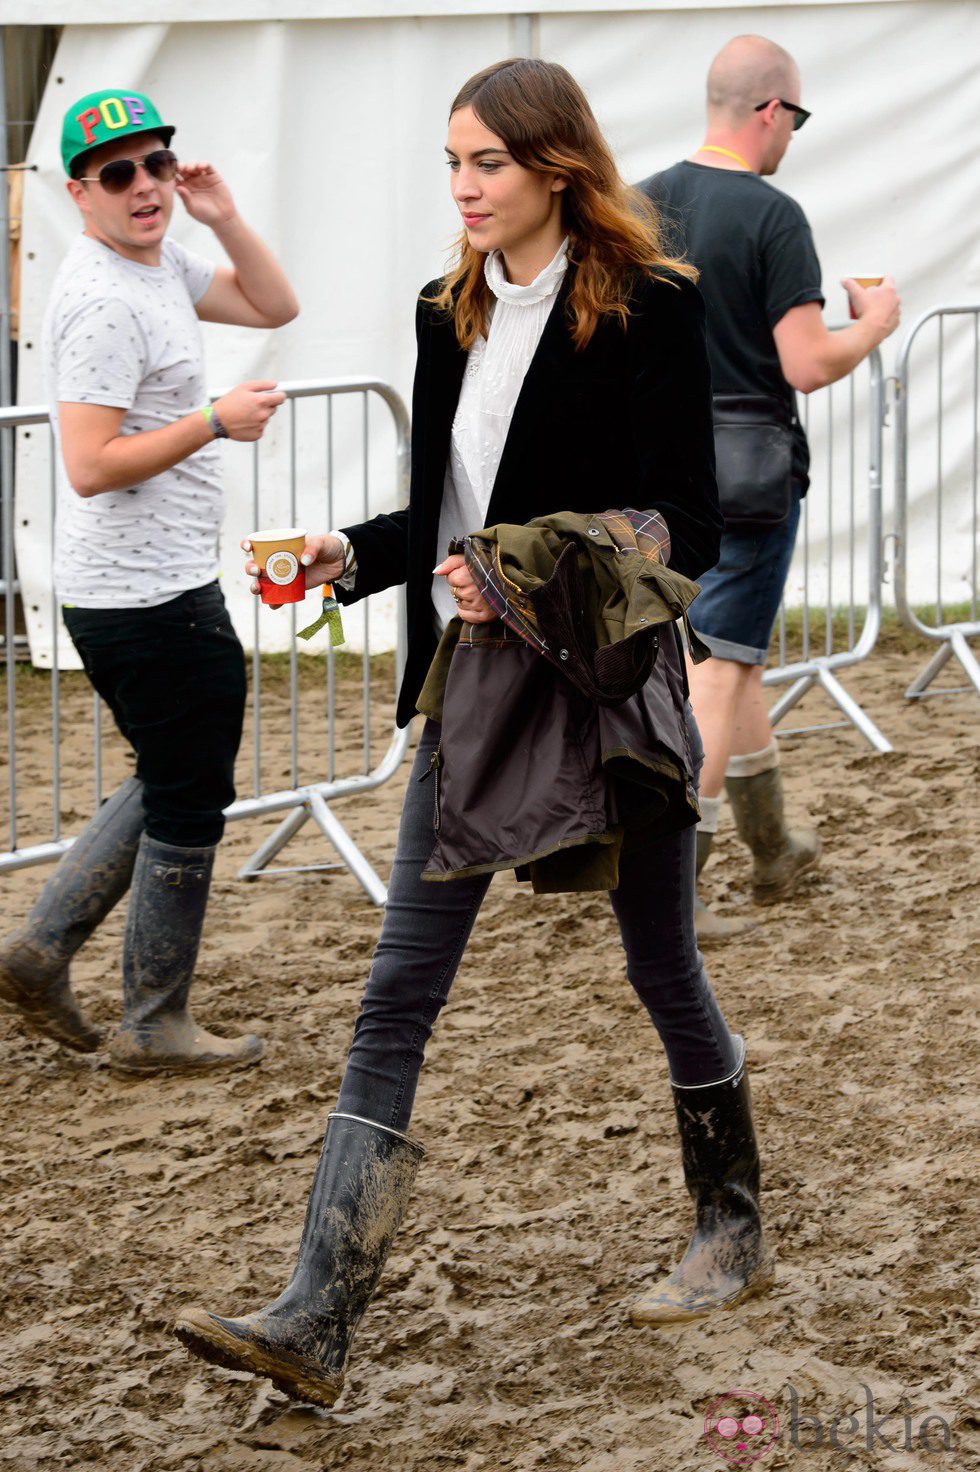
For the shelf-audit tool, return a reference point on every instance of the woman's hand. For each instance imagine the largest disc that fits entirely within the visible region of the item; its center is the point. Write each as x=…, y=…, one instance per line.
x=323, y=558
x=469, y=605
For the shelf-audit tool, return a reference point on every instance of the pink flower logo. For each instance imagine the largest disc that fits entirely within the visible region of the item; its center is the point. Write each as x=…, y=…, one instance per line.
x=741, y=1427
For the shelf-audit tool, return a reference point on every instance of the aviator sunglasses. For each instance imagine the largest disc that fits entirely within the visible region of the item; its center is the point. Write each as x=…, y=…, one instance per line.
x=800, y=114
x=117, y=177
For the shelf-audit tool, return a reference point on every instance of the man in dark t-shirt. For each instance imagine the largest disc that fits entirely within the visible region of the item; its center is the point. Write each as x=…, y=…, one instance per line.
x=760, y=279
x=754, y=249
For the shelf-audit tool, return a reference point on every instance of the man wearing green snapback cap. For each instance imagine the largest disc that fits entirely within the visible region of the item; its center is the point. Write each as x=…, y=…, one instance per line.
x=139, y=514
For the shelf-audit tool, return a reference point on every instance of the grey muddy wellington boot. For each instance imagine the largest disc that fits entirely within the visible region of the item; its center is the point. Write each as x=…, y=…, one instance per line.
x=710, y=928
x=727, y=1258
x=779, y=856
x=301, y=1341
x=91, y=878
x=163, y=934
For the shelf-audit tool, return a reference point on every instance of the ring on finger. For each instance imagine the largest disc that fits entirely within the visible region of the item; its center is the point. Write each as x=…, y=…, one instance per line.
x=455, y=593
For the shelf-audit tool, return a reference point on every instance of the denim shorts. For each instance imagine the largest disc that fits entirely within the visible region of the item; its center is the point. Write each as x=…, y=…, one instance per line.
x=735, y=612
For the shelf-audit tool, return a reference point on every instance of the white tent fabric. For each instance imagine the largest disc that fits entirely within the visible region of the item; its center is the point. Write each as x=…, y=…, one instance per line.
x=331, y=131
x=112, y=12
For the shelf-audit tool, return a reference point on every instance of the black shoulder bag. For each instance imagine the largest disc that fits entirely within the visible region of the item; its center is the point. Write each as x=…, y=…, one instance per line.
x=753, y=459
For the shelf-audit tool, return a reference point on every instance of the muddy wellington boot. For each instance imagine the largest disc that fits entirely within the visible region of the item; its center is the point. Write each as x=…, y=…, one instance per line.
x=779, y=856
x=301, y=1341
x=727, y=1258
x=91, y=878
x=710, y=928
x=163, y=934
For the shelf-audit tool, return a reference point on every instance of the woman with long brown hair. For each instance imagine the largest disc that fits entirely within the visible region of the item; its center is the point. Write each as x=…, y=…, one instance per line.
x=561, y=371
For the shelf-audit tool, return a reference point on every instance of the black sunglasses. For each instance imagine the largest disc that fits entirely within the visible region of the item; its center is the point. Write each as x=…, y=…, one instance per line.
x=117, y=177
x=800, y=114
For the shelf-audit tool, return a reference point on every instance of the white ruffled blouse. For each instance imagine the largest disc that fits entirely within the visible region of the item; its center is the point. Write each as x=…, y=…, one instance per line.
x=492, y=380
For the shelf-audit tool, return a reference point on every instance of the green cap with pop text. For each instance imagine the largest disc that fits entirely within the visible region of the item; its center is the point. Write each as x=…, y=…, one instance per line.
x=101, y=117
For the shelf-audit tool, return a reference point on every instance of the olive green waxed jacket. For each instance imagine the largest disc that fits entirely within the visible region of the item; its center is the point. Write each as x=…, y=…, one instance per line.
x=563, y=728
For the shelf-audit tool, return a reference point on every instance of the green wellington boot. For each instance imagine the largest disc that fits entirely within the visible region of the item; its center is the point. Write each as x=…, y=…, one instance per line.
x=779, y=856
x=727, y=1259
x=710, y=928
x=157, y=1033
x=302, y=1340
x=91, y=878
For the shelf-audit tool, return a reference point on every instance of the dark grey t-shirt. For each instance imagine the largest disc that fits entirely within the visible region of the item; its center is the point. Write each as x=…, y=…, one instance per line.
x=754, y=249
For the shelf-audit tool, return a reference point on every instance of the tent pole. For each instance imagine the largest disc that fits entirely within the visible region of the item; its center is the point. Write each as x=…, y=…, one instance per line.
x=527, y=34
x=5, y=315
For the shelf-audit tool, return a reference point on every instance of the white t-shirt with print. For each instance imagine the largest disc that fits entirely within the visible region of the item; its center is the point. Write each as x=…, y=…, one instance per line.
x=126, y=335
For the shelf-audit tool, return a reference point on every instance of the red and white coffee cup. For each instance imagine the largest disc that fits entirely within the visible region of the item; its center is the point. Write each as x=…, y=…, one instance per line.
x=277, y=552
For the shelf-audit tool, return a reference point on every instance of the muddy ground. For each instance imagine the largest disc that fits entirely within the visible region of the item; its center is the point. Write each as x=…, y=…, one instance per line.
x=552, y=1192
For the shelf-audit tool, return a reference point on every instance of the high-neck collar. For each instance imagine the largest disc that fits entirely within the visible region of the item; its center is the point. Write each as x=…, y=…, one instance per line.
x=545, y=284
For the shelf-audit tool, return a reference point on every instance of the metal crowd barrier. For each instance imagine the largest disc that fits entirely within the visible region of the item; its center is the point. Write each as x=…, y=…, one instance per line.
x=849, y=604
x=951, y=638
x=850, y=607
x=300, y=800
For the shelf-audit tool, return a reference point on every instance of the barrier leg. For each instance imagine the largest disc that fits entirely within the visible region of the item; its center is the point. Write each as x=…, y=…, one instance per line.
x=854, y=713
x=966, y=657
x=786, y=702
x=923, y=680
x=348, y=850
x=313, y=806
x=277, y=840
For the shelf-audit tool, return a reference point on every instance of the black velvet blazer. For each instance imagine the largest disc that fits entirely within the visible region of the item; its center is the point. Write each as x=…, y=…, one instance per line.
x=626, y=421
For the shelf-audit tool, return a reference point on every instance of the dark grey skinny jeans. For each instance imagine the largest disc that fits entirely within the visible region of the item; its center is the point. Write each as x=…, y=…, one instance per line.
x=426, y=927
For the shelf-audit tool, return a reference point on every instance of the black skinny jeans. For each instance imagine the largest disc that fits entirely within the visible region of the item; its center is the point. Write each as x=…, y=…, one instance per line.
x=174, y=678
x=426, y=927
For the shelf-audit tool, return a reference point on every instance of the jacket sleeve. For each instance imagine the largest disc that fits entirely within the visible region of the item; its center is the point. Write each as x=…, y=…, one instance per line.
x=381, y=544
x=381, y=549
x=670, y=420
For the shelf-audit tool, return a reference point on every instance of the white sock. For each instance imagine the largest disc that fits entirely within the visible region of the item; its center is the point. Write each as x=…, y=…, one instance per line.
x=751, y=763
x=710, y=811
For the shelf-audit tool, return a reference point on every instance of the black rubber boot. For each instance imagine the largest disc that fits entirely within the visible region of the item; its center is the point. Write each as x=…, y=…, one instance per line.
x=302, y=1340
x=163, y=935
x=91, y=878
x=712, y=929
x=779, y=856
x=727, y=1258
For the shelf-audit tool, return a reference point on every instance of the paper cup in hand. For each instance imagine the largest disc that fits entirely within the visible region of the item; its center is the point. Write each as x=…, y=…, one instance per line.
x=864, y=281
x=277, y=553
